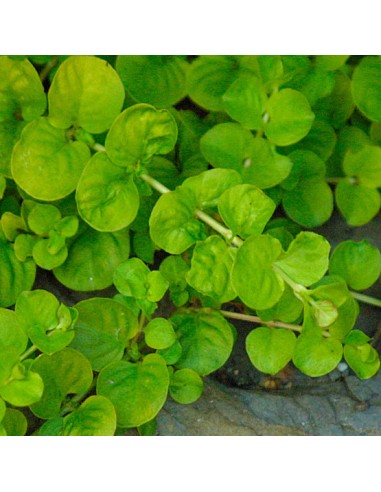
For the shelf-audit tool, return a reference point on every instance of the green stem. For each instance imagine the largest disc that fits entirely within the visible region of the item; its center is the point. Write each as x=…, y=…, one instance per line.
x=98, y=147
x=297, y=288
x=367, y=299
x=224, y=231
x=48, y=67
x=28, y=352
x=259, y=321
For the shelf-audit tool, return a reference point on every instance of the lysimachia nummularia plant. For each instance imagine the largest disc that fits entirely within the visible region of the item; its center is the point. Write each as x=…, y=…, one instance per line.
x=189, y=187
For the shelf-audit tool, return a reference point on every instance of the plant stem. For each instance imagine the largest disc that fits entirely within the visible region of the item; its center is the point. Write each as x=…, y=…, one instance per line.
x=224, y=231
x=28, y=352
x=367, y=299
x=259, y=321
x=98, y=147
x=48, y=67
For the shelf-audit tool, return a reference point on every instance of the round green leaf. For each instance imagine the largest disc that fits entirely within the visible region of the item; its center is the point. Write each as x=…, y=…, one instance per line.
x=87, y=92
x=245, y=209
x=337, y=107
x=159, y=334
x=306, y=260
x=208, y=79
x=139, y=133
x=157, y=286
x=253, y=276
x=130, y=278
x=366, y=87
x=37, y=307
x=63, y=373
x=320, y=140
x=10, y=131
x=270, y=349
x=264, y=167
x=95, y=417
x=227, y=145
x=21, y=90
x=137, y=390
x=43, y=218
x=103, y=330
x=156, y=80
x=358, y=263
x=172, y=223
x=211, y=266
x=290, y=117
x=209, y=185
x=11, y=331
x=206, y=339
x=358, y=204
x=362, y=359
x=9, y=358
x=316, y=356
x=15, y=276
x=14, y=422
x=93, y=257
x=171, y=354
x=287, y=309
x=44, y=258
x=309, y=203
x=365, y=165
x=245, y=101
x=186, y=386
x=45, y=164
x=23, y=388
x=107, y=198
x=331, y=62
x=346, y=319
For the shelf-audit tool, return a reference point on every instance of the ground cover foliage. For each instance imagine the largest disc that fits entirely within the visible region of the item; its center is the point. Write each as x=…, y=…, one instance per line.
x=194, y=180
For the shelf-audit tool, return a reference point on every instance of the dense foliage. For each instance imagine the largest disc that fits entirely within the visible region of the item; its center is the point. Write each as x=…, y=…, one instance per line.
x=189, y=182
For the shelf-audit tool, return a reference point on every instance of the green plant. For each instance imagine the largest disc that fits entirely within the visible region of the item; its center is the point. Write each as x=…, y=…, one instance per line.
x=101, y=173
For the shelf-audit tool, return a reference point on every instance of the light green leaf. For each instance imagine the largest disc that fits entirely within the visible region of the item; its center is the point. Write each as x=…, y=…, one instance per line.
x=206, y=339
x=362, y=359
x=44, y=258
x=23, y=388
x=366, y=87
x=103, y=330
x=21, y=90
x=95, y=417
x=356, y=337
x=11, y=331
x=253, y=276
x=156, y=80
x=306, y=260
x=210, y=185
x=93, y=257
x=186, y=386
x=43, y=218
x=208, y=79
x=227, y=145
x=159, y=334
x=358, y=263
x=157, y=286
x=330, y=62
x=211, y=267
x=15, y=276
x=137, y=390
x=63, y=373
x=130, y=278
x=270, y=349
x=245, y=100
x=139, y=133
x=365, y=165
x=106, y=196
x=172, y=223
x=45, y=164
x=10, y=131
x=264, y=167
x=315, y=355
x=358, y=204
x=290, y=117
x=287, y=309
x=245, y=209
x=14, y=422
x=87, y=92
